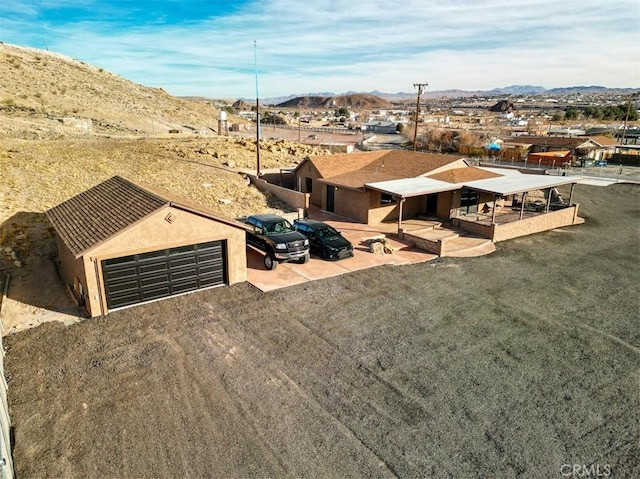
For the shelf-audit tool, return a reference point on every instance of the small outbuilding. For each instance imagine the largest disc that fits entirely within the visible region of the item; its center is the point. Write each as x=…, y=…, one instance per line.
x=122, y=244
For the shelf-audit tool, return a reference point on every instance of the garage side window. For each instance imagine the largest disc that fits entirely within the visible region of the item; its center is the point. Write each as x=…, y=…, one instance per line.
x=308, y=185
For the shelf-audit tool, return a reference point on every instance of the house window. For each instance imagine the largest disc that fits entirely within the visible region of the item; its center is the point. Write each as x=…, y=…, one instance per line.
x=308, y=185
x=386, y=199
x=469, y=200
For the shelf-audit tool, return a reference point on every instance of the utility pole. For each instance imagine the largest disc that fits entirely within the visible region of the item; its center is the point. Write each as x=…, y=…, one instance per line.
x=420, y=86
x=255, y=60
x=626, y=119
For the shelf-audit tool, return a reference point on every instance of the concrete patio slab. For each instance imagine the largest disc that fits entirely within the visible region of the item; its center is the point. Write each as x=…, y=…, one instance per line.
x=288, y=274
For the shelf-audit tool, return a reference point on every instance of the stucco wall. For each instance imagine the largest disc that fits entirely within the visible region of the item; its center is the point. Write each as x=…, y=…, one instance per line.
x=71, y=268
x=414, y=206
x=155, y=233
x=348, y=203
x=378, y=213
x=307, y=170
x=95, y=302
x=446, y=205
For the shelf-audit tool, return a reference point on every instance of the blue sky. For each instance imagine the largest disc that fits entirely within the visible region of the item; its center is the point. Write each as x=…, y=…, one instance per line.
x=198, y=47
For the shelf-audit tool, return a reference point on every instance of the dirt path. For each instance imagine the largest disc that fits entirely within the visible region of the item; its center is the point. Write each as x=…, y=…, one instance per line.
x=508, y=365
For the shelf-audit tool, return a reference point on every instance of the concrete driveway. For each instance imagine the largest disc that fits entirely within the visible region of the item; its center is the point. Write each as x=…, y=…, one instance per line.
x=288, y=274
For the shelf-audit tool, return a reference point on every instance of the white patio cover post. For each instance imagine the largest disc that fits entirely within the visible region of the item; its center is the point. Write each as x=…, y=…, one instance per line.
x=524, y=198
x=495, y=205
x=548, y=200
x=400, y=217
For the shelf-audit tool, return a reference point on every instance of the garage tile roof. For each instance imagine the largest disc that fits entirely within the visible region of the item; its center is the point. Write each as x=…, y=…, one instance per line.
x=354, y=170
x=100, y=212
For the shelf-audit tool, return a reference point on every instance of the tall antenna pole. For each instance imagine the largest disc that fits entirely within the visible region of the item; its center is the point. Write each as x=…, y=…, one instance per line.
x=255, y=60
x=415, y=131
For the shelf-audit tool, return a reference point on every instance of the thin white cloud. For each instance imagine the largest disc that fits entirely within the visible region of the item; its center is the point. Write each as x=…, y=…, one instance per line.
x=341, y=45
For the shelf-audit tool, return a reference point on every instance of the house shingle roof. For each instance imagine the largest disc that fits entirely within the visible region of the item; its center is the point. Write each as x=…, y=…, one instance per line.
x=553, y=141
x=355, y=169
x=551, y=154
x=101, y=212
x=335, y=165
x=464, y=175
x=604, y=140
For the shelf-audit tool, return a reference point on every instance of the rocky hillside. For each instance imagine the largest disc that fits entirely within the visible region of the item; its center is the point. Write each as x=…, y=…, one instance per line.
x=44, y=93
x=353, y=101
x=65, y=126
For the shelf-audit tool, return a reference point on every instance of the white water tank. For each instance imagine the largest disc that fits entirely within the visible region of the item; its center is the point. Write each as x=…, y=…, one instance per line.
x=222, y=115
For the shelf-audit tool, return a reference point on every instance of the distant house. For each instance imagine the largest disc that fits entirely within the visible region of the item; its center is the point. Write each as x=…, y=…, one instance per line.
x=337, y=147
x=561, y=131
x=551, y=159
x=386, y=127
x=623, y=136
x=122, y=244
x=594, y=148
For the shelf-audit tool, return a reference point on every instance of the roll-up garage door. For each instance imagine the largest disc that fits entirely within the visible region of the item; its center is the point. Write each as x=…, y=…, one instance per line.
x=158, y=274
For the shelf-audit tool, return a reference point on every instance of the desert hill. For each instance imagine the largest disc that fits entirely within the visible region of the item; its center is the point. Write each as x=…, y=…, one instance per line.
x=66, y=126
x=39, y=88
x=350, y=101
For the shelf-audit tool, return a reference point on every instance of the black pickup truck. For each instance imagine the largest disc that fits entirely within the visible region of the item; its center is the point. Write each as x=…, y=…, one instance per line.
x=277, y=238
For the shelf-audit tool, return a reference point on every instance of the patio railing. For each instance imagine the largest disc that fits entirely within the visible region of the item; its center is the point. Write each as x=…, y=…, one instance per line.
x=510, y=225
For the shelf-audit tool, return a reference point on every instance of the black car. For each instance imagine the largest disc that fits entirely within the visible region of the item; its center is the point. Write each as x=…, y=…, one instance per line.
x=324, y=240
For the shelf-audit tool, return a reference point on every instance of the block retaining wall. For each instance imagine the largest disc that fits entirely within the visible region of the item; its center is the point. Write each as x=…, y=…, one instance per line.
x=295, y=199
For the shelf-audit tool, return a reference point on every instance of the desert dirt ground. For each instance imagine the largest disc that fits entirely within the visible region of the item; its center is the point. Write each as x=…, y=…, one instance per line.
x=508, y=365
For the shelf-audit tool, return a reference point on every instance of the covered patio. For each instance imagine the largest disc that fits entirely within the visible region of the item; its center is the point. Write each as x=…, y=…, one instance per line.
x=499, y=208
x=514, y=193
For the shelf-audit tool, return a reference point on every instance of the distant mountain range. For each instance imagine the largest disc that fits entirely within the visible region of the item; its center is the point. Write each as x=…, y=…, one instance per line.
x=495, y=92
x=351, y=100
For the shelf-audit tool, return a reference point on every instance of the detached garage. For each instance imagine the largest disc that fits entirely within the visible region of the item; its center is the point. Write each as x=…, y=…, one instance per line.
x=122, y=244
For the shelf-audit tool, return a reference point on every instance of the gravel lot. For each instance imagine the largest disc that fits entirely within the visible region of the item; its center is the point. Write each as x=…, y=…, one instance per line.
x=508, y=365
